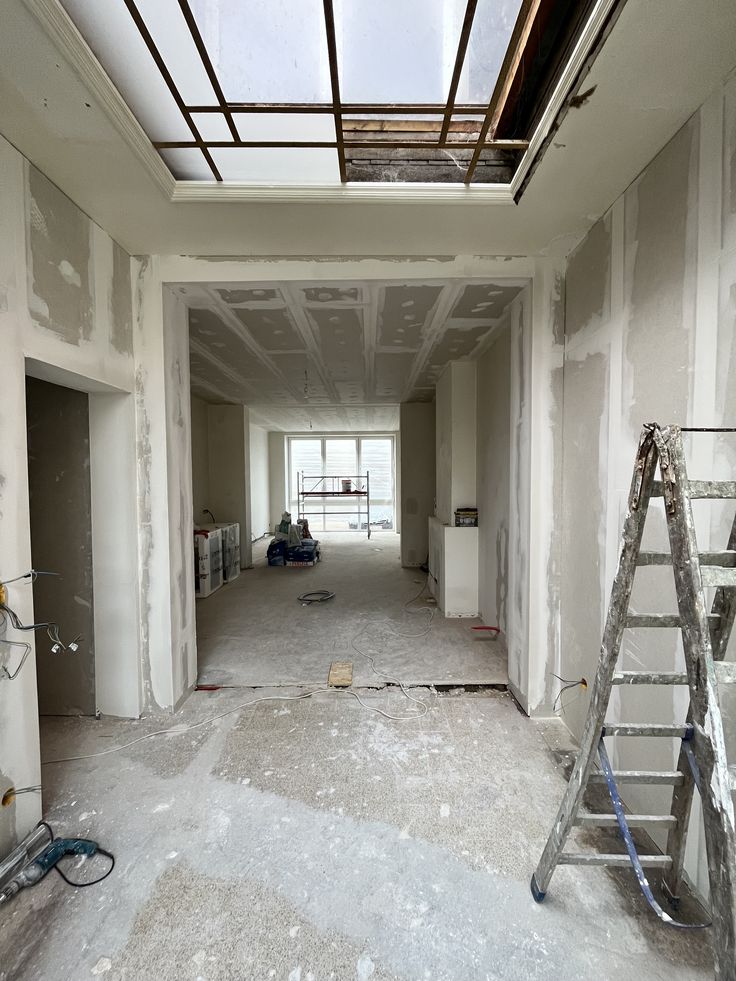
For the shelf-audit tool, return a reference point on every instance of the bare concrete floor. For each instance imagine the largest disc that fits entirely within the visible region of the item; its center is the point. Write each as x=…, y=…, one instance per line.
x=315, y=839
x=255, y=633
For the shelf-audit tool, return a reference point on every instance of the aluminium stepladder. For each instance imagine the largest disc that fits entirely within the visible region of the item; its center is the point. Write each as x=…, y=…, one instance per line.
x=702, y=759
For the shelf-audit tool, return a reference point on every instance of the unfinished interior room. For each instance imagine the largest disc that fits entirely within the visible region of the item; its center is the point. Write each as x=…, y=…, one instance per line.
x=367, y=490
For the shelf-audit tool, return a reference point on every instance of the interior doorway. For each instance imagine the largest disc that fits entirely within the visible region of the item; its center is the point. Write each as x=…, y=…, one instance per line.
x=58, y=426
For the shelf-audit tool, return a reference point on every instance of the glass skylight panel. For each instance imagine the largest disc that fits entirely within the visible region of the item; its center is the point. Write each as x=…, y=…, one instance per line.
x=267, y=50
x=186, y=164
x=277, y=165
x=397, y=52
x=269, y=127
x=493, y=25
x=122, y=52
x=197, y=73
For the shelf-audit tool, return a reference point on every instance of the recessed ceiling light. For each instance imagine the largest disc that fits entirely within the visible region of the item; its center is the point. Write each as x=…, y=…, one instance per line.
x=408, y=303
x=324, y=295
x=259, y=292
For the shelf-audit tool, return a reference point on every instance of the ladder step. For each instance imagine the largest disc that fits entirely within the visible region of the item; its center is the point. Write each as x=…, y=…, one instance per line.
x=618, y=860
x=663, y=620
x=702, y=489
x=644, y=729
x=725, y=672
x=726, y=559
x=633, y=820
x=670, y=777
x=715, y=576
x=649, y=678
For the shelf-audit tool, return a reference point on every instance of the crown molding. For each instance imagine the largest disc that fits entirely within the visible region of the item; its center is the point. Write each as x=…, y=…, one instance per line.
x=368, y=192
x=60, y=27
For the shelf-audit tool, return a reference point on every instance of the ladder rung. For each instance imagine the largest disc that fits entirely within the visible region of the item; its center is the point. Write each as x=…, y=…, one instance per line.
x=713, y=575
x=644, y=729
x=633, y=820
x=671, y=777
x=725, y=559
x=663, y=620
x=701, y=489
x=649, y=678
x=725, y=672
x=586, y=858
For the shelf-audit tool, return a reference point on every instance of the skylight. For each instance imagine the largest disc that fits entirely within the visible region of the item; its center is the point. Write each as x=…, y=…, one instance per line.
x=318, y=91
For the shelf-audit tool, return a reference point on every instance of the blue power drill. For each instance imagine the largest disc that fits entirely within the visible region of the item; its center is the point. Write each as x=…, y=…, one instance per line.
x=49, y=859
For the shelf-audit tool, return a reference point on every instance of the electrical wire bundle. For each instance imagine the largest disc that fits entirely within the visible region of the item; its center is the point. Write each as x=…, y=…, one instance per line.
x=8, y=615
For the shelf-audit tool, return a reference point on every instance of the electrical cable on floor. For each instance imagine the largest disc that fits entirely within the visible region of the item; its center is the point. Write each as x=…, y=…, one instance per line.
x=315, y=596
x=179, y=730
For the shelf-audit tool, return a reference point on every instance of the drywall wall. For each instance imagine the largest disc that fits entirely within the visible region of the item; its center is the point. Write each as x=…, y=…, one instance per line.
x=277, y=477
x=455, y=439
x=61, y=542
x=649, y=335
x=493, y=494
x=416, y=478
x=200, y=460
x=259, y=482
x=229, y=459
x=65, y=315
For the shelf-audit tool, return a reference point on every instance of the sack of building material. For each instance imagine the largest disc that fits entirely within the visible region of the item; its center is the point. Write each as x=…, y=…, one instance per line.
x=276, y=553
x=306, y=553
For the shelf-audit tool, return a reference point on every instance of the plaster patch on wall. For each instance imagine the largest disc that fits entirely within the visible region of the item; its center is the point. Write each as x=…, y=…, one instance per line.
x=588, y=295
x=145, y=529
x=661, y=268
x=583, y=514
x=60, y=263
x=121, y=302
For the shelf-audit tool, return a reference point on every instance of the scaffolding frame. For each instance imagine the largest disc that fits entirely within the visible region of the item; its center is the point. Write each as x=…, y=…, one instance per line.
x=331, y=486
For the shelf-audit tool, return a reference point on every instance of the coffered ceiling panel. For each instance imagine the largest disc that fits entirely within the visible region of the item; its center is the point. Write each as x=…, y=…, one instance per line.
x=346, y=344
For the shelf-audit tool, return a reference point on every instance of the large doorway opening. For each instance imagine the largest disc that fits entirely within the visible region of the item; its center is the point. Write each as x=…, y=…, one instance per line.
x=61, y=546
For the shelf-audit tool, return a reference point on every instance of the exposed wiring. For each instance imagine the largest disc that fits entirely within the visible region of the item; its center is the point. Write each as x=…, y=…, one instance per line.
x=4, y=672
x=51, y=627
x=566, y=686
x=32, y=576
x=315, y=596
x=180, y=730
x=12, y=792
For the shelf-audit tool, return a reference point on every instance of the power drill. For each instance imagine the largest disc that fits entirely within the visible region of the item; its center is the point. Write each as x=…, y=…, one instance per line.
x=45, y=861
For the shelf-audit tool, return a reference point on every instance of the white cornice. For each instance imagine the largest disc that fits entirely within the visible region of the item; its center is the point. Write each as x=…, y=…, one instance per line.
x=368, y=192
x=59, y=26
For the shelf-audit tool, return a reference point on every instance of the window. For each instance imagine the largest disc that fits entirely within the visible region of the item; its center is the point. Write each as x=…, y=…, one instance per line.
x=347, y=457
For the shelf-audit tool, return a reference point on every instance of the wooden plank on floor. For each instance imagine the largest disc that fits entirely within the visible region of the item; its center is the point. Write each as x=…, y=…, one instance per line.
x=341, y=674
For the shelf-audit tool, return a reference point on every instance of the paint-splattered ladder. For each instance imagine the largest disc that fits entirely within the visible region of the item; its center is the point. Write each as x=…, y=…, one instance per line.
x=702, y=759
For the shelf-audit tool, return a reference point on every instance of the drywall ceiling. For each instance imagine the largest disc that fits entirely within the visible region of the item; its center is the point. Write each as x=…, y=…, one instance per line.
x=332, y=347
x=326, y=419
x=661, y=60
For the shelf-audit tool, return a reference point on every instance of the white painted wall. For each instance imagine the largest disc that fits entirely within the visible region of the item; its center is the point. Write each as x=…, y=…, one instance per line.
x=277, y=477
x=455, y=439
x=229, y=459
x=416, y=478
x=260, y=489
x=493, y=463
x=200, y=460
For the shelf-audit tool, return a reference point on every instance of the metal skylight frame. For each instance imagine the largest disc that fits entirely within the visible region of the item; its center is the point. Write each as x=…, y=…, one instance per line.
x=484, y=140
